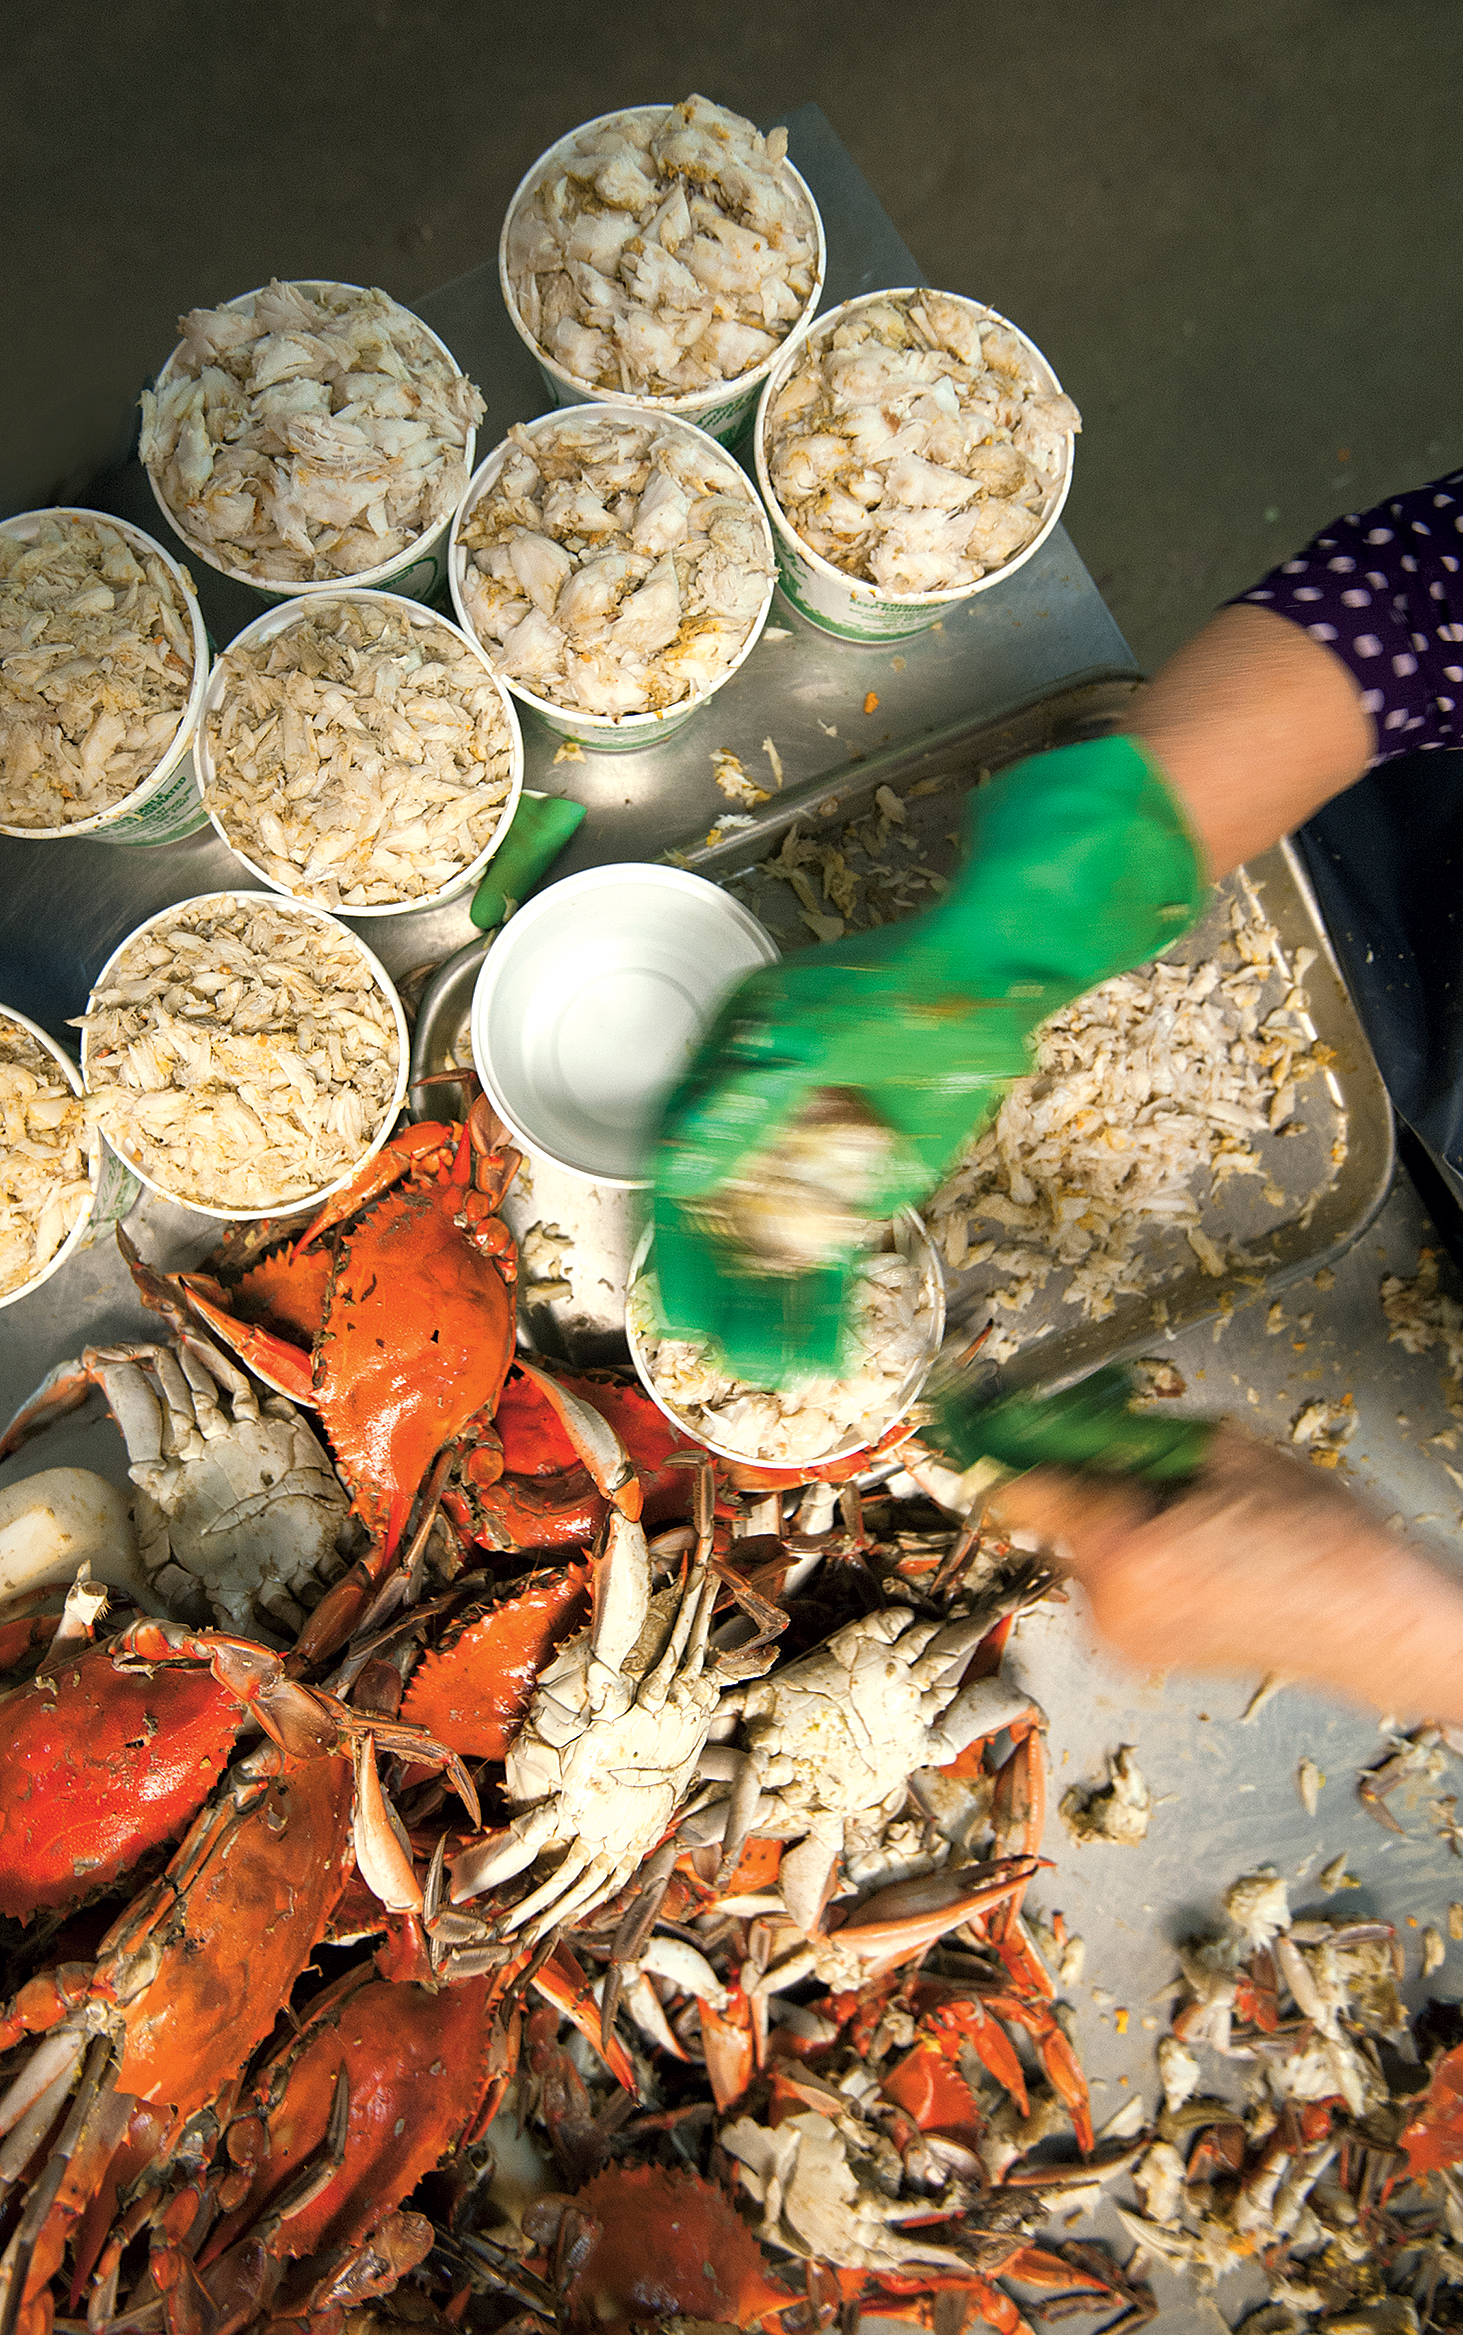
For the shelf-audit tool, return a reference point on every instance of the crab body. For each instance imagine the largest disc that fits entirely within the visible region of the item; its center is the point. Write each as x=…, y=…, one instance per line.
x=102, y=1765
x=831, y=1741
x=400, y=1330
x=238, y=1509
x=610, y=1744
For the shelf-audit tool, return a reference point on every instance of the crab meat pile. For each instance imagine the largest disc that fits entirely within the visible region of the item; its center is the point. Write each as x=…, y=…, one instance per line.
x=44, y=1183
x=360, y=757
x=661, y=254
x=242, y=1055
x=787, y=1428
x=615, y=566
x=1141, y=1087
x=301, y=435
x=916, y=445
x=96, y=667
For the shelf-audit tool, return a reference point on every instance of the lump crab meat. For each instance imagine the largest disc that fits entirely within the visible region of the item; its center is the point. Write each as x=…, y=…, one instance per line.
x=664, y=253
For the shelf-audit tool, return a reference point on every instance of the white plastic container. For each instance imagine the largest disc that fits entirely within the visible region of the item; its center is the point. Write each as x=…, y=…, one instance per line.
x=403, y=1055
x=606, y=733
x=416, y=571
x=165, y=806
x=642, y=1332
x=590, y=1003
x=77, y=1235
x=266, y=628
x=723, y=410
x=848, y=606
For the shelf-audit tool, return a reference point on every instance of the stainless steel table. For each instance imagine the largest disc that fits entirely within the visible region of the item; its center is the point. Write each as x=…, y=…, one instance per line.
x=1227, y=1798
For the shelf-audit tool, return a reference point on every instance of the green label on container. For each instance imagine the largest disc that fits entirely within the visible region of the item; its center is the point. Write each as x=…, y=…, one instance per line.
x=117, y=1194
x=173, y=812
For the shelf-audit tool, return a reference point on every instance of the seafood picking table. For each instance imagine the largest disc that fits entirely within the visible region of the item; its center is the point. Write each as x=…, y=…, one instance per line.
x=1036, y=658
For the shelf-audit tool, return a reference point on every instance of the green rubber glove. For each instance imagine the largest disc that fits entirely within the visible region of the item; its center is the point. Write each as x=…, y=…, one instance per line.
x=1079, y=864
x=1091, y=1426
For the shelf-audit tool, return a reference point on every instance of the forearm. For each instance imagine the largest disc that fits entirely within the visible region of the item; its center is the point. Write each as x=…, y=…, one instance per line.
x=1347, y=654
x=1255, y=726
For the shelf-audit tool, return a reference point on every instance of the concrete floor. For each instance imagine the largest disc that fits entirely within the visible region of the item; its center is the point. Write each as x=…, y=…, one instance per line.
x=1232, y=224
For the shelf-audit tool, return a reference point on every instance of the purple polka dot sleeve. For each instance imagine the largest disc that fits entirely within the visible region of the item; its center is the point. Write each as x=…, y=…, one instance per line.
x=1383, y=590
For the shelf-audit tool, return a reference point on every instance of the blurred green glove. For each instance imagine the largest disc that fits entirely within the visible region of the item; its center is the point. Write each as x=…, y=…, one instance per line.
x=1079, y=865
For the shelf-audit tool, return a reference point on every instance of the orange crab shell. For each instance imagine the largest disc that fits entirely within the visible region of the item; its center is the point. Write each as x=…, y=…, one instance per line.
x=1433, y=2138
x=472, y=1694
x=667, y=2245
x=417, y=2063
x=102, y=1764
x=235, y=1930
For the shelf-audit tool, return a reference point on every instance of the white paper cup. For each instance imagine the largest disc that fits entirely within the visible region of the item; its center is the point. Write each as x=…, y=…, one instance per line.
x=642, y=1332
x=266, y=628
x=605, y=732
x=590, y=1003
x=845, y=605
x=77, y=1235
x=723, y=410
x=416, y=571
x=164, y=806
x=294, y=1205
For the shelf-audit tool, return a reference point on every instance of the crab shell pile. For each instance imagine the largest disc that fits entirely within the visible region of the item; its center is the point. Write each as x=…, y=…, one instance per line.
x=679, y=1816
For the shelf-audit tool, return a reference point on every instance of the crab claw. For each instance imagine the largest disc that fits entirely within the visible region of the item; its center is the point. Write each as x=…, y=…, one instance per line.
x=901, y=1921
x=594, y=1441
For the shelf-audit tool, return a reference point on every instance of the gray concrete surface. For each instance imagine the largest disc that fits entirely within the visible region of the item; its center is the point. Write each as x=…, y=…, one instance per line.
x=1232, y=224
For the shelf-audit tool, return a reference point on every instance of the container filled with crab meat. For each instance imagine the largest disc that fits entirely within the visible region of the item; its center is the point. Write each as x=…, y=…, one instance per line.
x=358, y=752
x=309, y=434
x=244, y=1053
x=616, y=567
x=663, y=256
x=899, y=1321
x=914, y=449
x=103, y=665
x=47, y=1157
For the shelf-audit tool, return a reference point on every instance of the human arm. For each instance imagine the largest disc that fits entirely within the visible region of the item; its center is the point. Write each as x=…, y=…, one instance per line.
x=1255, y=726
x=1261, y=1562
x=1348, y=653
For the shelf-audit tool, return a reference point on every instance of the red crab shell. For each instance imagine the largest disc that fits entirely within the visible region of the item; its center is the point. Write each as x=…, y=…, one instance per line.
x=473, y=1692
x=1433, y=2137
x=666, y=2245
x=392, y=1313
x=417, y=2064
x=235, y=1937
x=544, y=1497
x=101, y=1765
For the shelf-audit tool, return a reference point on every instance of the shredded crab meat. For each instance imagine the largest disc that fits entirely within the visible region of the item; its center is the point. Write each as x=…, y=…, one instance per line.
x=615, y=566
x=96, y=667
x=917, y=445
x=1140, y=1088
x=789, y=1427
x=44, y=1180
x=360, y=757
x=663, y=254
x=243, y=1055
x=303, y=435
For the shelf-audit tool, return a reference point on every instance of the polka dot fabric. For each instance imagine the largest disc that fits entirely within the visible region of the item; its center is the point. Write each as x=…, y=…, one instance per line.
x=1384, y=590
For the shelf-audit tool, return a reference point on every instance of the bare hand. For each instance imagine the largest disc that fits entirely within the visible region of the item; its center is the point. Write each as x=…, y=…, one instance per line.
x=1262, y=1564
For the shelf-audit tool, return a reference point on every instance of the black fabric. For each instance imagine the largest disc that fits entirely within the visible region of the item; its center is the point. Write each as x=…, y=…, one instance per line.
x=1386, y=860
